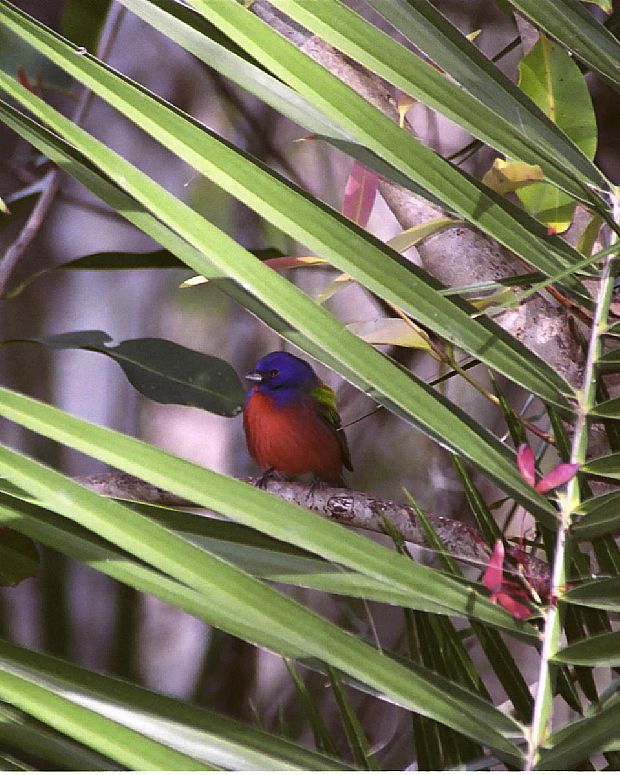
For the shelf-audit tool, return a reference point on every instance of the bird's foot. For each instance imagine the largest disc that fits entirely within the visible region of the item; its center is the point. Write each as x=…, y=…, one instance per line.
x=264, y=478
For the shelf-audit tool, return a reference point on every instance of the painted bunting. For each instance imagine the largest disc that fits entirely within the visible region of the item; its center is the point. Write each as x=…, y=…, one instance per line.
x=291, y=421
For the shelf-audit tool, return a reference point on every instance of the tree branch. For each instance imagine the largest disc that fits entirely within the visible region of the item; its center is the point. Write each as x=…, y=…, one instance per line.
x=350, y=508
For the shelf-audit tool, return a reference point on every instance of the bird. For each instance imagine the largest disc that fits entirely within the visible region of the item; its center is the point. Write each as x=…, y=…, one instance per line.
x=291, y=422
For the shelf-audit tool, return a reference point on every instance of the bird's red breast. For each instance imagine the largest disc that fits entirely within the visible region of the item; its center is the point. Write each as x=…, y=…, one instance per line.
x=294, y=439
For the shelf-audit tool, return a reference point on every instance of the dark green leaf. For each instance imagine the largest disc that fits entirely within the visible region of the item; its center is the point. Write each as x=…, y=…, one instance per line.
x=600, y=593
x=83, y=20
x=595, y=651
x=162, y=370
x=568, y=747
x=602, y=518
x=19, y=558
x=608, y=465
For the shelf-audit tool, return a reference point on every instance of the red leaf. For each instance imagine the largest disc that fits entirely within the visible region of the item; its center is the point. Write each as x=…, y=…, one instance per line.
x=526, y=464
x=22, y=77
x=561, y=474
x=360, y=193
x=494, y=574
x=518, y=610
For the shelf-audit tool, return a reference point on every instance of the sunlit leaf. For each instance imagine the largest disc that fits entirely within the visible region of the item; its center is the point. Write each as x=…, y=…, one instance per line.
x=506, y=176
x=389, y=331
x=550, y=77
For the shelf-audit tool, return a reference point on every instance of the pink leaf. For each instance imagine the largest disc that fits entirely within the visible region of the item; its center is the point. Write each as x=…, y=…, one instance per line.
x=518, y=610
x=494, y=574
x=526, y=464
x=561, y=474
x=360, y=193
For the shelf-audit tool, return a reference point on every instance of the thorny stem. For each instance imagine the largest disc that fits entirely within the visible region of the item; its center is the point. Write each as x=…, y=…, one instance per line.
x=569, y=502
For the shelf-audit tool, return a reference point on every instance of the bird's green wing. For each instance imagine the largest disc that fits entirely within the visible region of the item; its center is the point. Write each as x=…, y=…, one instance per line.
x=328, y=409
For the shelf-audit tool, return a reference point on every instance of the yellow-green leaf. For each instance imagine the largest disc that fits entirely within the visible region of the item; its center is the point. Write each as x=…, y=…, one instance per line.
x=550, y=77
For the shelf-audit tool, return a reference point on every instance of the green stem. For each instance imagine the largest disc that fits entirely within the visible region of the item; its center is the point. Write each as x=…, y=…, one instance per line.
x=569, y=503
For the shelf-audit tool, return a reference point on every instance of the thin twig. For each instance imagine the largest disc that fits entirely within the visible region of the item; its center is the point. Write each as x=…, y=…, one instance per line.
x=51, y=182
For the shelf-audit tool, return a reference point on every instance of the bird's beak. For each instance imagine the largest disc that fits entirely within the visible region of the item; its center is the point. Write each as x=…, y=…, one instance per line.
x=254, y=376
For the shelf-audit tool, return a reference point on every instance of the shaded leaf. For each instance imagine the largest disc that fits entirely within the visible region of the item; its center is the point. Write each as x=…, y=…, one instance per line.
x=19, y=558
x=595, y=651
x=506, y=176
x=599, y=593
x=163, y=371
x=82, y=21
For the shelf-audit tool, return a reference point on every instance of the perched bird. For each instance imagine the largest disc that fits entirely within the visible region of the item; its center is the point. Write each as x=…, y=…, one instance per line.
x=291, y=421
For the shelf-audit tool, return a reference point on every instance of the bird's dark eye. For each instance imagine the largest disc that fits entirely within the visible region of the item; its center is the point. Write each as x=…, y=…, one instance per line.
x=274, y=372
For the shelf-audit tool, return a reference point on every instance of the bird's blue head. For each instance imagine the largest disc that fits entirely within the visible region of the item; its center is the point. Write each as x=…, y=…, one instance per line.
x=283, y=376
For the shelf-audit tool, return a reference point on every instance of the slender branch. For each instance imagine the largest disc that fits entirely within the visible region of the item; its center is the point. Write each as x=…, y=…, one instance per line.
x=350, y=508
x=13, y=254
x=569, y=504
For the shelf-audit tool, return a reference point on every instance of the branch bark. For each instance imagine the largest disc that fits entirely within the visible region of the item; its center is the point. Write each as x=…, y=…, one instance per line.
x=350, y=508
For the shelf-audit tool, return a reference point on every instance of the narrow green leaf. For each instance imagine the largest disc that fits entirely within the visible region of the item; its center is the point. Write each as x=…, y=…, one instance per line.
x=572, y=744
x=30, y=738
x=609, y=363
x=486, y=523
x=608, y=465
x=430, y=31
x=601, y=517
x=358, y=742
x=574, y=27
x=162, y=370
x=231, y=744
x=600, y=593
x=323, y=739
x=595, y=651
x=297, y=317
x=121, y=744
x=499, y=656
